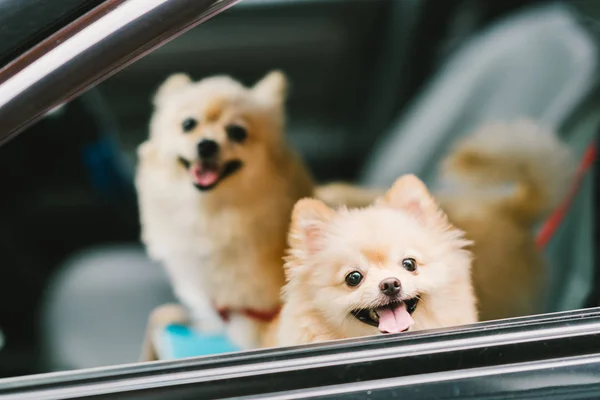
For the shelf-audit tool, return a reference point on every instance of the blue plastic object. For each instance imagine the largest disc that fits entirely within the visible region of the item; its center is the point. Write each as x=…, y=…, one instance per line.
x=177, y=341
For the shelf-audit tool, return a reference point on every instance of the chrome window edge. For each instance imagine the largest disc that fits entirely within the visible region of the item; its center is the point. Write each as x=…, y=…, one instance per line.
x=548, y=379
x=546, y=337
x=90, y=50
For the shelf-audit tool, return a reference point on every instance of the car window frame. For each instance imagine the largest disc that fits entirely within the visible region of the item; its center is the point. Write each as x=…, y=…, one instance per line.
x=33, y=20
x=90, y=50
x=323, y=366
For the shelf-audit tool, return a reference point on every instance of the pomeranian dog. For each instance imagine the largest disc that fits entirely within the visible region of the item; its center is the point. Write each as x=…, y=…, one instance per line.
x=216, y=183
x=496, y=184
x=391, y=267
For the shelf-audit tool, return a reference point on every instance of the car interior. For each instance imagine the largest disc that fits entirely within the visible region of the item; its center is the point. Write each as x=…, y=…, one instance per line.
x=371, y=82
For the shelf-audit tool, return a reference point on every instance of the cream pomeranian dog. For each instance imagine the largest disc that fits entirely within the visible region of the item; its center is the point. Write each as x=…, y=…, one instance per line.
x=392, y=267
x=216, y=183
x=496, y=184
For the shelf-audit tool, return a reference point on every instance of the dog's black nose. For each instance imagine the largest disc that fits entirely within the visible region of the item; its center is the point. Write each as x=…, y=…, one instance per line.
x=207, y=148
x=390, y=287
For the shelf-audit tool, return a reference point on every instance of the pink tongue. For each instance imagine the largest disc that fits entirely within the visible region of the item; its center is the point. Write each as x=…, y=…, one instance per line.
x=394, y=319
x=202, y=176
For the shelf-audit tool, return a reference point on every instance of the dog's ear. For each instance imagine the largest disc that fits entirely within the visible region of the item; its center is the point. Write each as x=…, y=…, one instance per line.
x=309, y=219
x=272, y=88
x=172, y=84
x=409, y=194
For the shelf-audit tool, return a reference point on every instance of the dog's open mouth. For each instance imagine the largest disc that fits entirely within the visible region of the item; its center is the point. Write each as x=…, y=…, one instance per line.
x=207, y=174
x=394, y=317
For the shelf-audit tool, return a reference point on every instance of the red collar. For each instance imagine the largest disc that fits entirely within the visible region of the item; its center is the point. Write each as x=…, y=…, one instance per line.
x=262, y=316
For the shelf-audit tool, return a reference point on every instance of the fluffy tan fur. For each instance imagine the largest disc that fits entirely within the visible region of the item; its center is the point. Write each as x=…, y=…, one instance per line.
x=509, y=272
x=222, y=248
x=505, y=177
x=325, y=245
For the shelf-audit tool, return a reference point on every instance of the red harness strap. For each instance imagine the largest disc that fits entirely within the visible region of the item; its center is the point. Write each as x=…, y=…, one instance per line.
x=262, y=316
x=554, y=220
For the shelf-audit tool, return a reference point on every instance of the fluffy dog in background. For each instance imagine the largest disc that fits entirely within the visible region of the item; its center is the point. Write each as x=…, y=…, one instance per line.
x=391, y=267
x=497, y=183
x=216, y=183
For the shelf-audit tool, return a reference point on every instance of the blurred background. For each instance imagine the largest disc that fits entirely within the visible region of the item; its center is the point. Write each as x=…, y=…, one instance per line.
x=371, y=82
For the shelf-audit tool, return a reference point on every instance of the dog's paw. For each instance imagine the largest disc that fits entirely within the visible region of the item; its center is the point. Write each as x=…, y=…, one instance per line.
x=209, y=324
x=243, y=332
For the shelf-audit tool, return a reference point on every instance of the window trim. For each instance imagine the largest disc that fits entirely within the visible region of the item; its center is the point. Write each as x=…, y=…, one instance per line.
x=530, y=380
x=89, y=50
x=316, y=367
x=55, y=18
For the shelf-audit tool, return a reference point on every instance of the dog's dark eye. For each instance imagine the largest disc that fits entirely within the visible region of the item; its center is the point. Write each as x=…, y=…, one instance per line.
x=236, y=133
x=188, y=124
x=353, y=278
x=409, y=264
